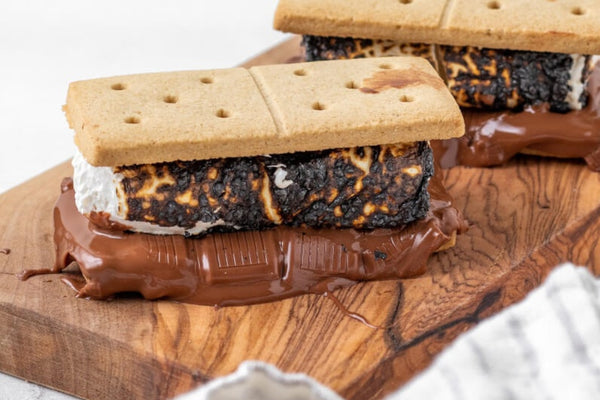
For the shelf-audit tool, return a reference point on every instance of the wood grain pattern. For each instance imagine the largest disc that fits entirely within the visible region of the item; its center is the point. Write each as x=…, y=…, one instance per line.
x=526, y=217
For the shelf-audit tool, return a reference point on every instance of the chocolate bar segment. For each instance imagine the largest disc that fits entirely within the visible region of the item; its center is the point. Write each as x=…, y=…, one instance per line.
x=361, y=187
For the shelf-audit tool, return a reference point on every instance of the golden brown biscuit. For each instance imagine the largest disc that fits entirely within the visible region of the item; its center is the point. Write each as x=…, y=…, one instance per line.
x=565, y=26
x=149, y=118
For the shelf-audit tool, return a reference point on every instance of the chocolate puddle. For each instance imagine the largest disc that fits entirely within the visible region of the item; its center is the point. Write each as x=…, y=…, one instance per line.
x=243, y=267
x=492, y=138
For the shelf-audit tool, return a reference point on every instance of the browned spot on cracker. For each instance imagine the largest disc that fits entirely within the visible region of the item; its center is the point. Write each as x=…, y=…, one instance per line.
x=398, y=79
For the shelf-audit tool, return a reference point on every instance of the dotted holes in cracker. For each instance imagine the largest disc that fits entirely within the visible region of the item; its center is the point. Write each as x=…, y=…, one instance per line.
x=207, y=80
x=385, y=66
x=405, y=1
x=577, y=11
x=118, y=86
x=300, y=72
x=351, y=85
x=318, y=106
x=132, y=120
x=222, y=113
x=406, y=99
x=170, y=99
x=493, y=5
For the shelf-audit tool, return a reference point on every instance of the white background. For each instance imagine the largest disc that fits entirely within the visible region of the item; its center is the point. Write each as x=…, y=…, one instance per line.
x=46, y=44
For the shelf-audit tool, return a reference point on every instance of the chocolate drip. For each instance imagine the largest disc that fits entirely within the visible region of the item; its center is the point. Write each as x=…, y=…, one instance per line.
x=492, y=138
x=245, y=267
x=351, y=314
x=28, y=273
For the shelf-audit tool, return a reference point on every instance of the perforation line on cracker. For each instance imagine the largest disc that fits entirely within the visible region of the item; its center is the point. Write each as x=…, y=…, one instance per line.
x=566, y=26
x=268, y=109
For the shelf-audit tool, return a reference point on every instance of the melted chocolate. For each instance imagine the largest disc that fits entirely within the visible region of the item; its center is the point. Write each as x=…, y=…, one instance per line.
x=351, y=314
x=28, y=273
x=5, y=251
x=243, y=267
x=492, y=138
x=102, y=219
x=398, y=79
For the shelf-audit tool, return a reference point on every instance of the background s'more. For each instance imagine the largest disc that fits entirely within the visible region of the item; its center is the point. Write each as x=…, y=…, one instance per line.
x=525, y=73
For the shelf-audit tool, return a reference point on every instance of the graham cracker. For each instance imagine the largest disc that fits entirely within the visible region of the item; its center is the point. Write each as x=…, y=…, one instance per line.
x=331, y=104
x=565, y=26
x=193, y=115
x=368, y=19
x=146, y=118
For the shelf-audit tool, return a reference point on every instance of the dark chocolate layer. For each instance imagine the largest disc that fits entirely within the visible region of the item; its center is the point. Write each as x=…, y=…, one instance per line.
x=362, y=187
x=244, y=267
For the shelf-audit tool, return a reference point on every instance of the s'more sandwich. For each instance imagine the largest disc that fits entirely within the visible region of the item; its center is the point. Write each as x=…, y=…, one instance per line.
x=523, y=72
x=238, y=186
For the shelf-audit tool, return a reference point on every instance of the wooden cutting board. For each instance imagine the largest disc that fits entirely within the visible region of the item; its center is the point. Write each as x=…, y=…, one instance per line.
x=526, y=217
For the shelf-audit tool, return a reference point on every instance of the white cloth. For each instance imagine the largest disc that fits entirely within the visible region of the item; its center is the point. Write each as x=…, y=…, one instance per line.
x=545, y=347
x=255, y=380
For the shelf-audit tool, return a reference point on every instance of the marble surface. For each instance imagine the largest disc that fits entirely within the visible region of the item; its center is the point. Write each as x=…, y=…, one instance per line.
x=45, y=45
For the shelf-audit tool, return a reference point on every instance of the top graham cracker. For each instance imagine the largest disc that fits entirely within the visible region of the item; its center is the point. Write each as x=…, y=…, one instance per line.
x=559, y=26
x=194, y=115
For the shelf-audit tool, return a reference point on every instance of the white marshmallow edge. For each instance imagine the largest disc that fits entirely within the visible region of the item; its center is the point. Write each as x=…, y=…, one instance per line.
x=96, y=190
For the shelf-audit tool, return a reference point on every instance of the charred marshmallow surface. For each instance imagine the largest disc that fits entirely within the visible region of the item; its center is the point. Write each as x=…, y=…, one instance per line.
x=363, y=187
x=99, y=191
x=506, y=79
x=335, y=48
